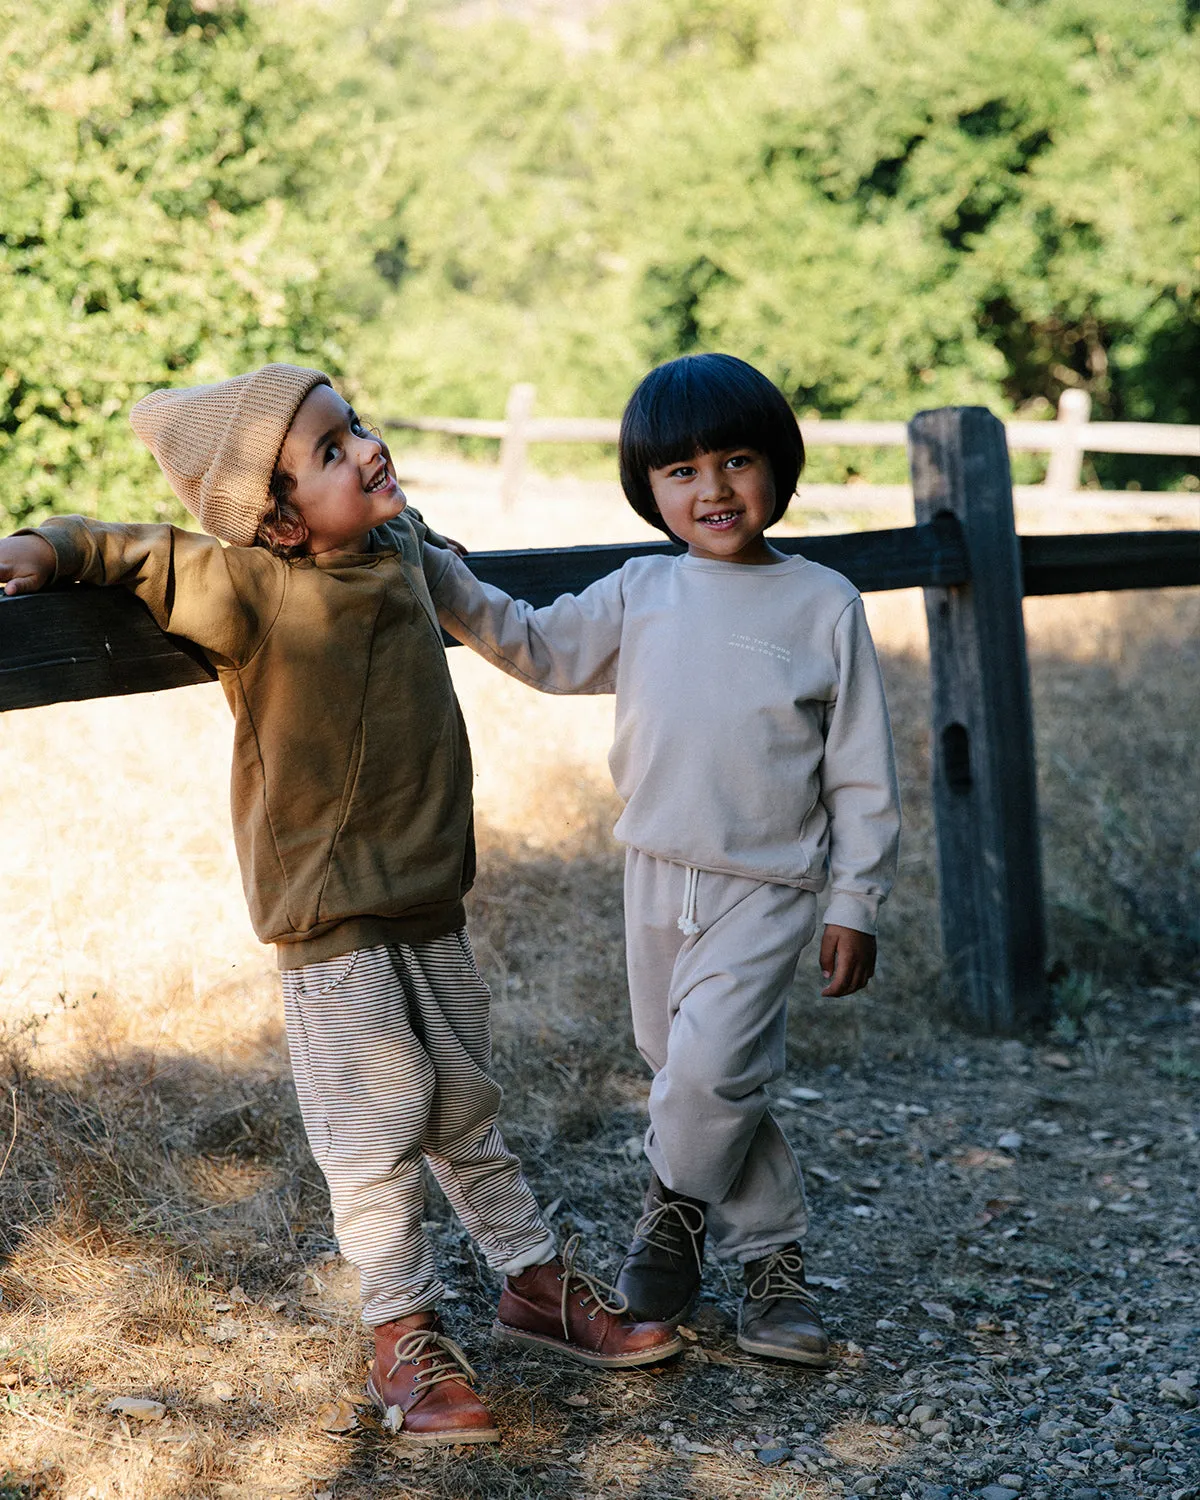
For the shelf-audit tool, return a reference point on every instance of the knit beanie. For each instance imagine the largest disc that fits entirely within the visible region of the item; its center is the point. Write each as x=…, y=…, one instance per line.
x=218, y=444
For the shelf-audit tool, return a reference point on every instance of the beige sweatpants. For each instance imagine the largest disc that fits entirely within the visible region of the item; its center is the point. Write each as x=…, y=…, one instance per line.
x=710, y=1018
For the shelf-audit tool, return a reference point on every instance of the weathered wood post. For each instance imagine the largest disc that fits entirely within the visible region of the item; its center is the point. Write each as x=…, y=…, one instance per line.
x=984, y=781
x=513, y=445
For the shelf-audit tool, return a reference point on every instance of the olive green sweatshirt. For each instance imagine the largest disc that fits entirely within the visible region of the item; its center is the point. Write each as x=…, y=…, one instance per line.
x=351, y=782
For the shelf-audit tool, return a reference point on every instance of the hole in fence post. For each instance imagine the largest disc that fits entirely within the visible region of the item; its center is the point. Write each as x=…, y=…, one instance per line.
x=956, y=757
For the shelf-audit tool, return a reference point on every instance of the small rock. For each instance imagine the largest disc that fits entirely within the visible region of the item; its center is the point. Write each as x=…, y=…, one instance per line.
x=225, y=1331
x=1011, y=1481
x=770, y=1456
x=1010, y=1140
x=934, y=1426
x=998, y=1492
x=222, y=1390
x=809, y=1096
x=138, y=1407
x=1182, y=1395
x=1031, y=1413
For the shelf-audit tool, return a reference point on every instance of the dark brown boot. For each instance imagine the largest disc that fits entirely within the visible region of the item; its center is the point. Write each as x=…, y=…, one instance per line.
x=420, y=1382
x=561, y=1307
x=778, y=1317
x=660, y=1275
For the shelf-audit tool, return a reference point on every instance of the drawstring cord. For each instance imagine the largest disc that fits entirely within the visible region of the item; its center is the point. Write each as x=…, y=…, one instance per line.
x=687, y=923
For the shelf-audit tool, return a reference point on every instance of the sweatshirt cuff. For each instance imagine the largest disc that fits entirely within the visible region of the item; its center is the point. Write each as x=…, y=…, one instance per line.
x=848, y=909
x=68, y=558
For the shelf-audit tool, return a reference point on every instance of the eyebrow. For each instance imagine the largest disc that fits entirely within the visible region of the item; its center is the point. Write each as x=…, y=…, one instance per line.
x=351, y=416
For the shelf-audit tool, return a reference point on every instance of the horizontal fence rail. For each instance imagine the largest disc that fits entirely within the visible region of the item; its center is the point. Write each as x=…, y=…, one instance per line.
x=77, y=642
x=1157, y=438
x=1066, y=440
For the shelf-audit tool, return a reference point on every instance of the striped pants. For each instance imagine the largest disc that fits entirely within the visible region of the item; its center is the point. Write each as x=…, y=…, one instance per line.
x=390, y=1051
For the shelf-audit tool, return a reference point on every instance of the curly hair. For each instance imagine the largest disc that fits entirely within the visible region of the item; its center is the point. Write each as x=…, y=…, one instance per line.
x=282, y=531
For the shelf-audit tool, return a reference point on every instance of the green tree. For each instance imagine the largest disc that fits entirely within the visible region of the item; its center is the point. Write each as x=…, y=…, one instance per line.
x=156, y=164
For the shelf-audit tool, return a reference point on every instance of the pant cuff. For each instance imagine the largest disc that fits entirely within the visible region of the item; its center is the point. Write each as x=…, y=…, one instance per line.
x=537, y=1255
x=379, y=1309
x=746, y=1253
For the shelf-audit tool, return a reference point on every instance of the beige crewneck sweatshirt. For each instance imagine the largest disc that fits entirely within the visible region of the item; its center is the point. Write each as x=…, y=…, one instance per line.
x=351, y=779
x=752, y=735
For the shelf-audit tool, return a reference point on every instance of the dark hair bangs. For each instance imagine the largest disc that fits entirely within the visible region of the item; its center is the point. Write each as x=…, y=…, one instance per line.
x=703, y=403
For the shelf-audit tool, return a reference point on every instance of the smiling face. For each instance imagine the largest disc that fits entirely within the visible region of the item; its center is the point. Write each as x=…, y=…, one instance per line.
x=719, y=504
x=345, y=483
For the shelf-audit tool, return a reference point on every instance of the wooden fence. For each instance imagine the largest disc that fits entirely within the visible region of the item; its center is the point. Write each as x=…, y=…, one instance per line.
x=1066, y=440
x=74, y=643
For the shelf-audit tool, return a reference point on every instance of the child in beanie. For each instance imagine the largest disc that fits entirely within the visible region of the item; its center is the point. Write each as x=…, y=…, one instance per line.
x=352, y=816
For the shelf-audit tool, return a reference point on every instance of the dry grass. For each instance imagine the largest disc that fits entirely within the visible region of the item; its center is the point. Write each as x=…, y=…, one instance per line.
x=163, y=1231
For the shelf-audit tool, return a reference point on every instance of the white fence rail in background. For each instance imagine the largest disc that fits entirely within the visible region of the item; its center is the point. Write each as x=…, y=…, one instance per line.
x=1066, y=440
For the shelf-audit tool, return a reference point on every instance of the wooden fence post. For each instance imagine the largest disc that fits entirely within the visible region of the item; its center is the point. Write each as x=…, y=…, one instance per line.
x=1066, y=463
x=984, y=782
x=514, y=444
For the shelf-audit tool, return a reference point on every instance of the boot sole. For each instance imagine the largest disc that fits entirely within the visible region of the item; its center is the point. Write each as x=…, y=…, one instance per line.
x=795, y=1357
x=450, y=1439
x=504, y=1334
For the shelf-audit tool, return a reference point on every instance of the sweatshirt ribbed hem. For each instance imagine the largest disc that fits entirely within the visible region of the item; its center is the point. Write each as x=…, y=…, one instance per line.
x=370, y=932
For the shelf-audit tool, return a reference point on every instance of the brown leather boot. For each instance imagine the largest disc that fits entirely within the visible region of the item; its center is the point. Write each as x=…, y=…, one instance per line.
x=561, y=1307
x=778, y=1317
x=421, y=1384
x=660, y=1275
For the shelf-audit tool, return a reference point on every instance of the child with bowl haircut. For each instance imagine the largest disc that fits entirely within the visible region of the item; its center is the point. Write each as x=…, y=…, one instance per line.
x=754, y=757
x=352, y=816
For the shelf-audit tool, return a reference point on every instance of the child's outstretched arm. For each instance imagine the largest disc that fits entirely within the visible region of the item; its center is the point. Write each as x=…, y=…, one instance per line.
x=861, y=796
x=569, y=646
x=192, y=585
x=27, y=563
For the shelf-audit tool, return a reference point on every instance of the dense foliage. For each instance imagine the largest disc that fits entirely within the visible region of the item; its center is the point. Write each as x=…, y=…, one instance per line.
x=884, y=206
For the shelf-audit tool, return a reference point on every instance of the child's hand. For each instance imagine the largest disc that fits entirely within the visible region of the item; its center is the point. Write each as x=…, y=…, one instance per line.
x=27, y=563
x=455, y=546
x=847, y=959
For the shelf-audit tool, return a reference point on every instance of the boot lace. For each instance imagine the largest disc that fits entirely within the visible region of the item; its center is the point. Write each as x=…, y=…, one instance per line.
x=446, y=1360
x=607, y=1298
x=671, y=1226
x=781, y=1276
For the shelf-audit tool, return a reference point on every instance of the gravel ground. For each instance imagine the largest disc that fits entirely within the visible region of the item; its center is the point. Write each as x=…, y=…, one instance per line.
x=1006, y=1247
